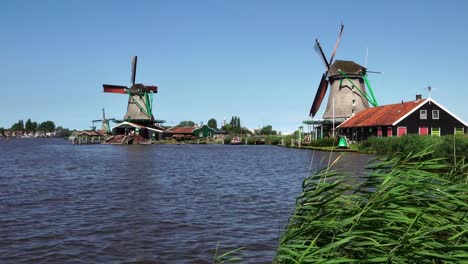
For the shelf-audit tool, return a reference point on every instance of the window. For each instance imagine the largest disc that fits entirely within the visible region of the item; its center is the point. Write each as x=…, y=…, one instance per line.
x=200, y=134
x=423, y=131
x=435, y=114
x=423, y=114
x=459, y=131
x=435, y=131
x=401, y=131
x=389, y=132
x=379, y=132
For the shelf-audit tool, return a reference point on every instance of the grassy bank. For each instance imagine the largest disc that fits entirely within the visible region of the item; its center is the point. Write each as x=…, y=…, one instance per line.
x=412, y=208
x=452, y=148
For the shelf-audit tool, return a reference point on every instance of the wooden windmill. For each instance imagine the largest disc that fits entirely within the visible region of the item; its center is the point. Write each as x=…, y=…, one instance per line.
x=140, y=99
x=348, y=81
x=105, y=122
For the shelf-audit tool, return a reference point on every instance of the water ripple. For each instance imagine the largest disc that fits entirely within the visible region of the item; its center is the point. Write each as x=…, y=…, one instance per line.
x=61, y=203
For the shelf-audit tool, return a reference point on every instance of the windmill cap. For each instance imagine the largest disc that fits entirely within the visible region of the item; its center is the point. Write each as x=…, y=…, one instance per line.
x=348, y=67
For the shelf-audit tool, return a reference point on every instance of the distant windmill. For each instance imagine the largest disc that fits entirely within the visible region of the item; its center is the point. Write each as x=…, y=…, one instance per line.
x=105, y=122
x=347, y=80
x=140, y=99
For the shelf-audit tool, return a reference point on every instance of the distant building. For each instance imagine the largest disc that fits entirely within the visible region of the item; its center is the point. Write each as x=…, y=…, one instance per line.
x=180, y=133
x=421, y=117
x=204, y=132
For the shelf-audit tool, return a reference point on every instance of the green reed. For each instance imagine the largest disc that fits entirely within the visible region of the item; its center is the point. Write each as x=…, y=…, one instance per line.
x=410, y=209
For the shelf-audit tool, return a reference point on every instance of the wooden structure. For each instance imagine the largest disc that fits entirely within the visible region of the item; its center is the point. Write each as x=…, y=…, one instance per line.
x=421, y=117
x=180, y=133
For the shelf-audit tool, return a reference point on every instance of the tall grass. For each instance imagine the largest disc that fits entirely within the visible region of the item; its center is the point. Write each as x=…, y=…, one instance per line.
x=443, y=146
x=410, y=209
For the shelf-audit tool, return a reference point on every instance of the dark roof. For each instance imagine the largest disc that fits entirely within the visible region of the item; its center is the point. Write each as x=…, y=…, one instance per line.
x=181, y=130
x=348, y=67
x=385, y=115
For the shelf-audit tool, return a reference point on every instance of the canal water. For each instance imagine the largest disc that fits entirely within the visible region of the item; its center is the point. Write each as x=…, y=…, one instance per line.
x=63, y=203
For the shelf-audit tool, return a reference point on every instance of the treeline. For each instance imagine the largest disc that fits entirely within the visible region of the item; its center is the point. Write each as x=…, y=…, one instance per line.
x=233, y=127
x=33, y=127
x=30, y=126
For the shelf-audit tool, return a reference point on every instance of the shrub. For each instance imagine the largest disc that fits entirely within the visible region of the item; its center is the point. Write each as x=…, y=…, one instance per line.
x=227, y=139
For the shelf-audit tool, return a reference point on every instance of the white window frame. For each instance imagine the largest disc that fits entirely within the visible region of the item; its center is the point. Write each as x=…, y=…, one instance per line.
x=422, y=114
x=435, y=111
x=398, y=130
x=200, y=134
x=440, y=131
x=455, y=130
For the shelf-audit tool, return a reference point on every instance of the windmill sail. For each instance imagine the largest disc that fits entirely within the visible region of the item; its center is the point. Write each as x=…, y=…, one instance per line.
x=134, y=67
x=321, y=91
x=336, y=44
x=109, y=88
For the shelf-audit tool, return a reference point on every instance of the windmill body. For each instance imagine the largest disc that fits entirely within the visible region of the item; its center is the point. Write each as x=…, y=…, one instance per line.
x=139, y=107
x=345, y=99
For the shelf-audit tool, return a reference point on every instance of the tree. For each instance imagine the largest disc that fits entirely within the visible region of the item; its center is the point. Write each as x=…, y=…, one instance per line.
x=33, y=126
x=186, y=124
x=47, y=126
x=227, y=127
x=28, y=126
x=2, y=131
x=17, y=126
x=236, y=125
x=212, y=123
x=267, y=130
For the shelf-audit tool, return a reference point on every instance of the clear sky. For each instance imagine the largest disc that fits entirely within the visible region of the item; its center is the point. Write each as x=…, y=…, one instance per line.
x=215, y=58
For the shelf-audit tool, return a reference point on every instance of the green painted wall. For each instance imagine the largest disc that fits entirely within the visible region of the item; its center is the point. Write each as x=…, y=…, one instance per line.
x=203, y=132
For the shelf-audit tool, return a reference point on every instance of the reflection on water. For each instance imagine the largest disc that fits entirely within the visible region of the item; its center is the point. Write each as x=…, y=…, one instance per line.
x=62, y=203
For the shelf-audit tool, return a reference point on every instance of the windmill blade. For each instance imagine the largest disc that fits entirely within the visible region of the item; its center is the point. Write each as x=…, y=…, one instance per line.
x=109, y=88
x=134, y=66
x=99, y=120
x=321, y=91
x=336, y=44
x=319, y=50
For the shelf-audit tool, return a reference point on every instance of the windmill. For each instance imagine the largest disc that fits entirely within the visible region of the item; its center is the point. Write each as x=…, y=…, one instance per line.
x=347, y=80
x=140, y=99
x=105, y=122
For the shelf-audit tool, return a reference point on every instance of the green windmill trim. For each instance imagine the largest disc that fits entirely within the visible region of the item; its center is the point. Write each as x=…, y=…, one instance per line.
x=370, y=99
x=139, y=106
x=366, y=80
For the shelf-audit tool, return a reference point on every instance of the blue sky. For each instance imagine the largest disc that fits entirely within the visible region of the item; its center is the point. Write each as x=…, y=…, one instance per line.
x=215, y=58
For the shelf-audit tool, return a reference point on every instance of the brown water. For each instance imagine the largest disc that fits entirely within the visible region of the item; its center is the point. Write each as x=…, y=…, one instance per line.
x=62, y=203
